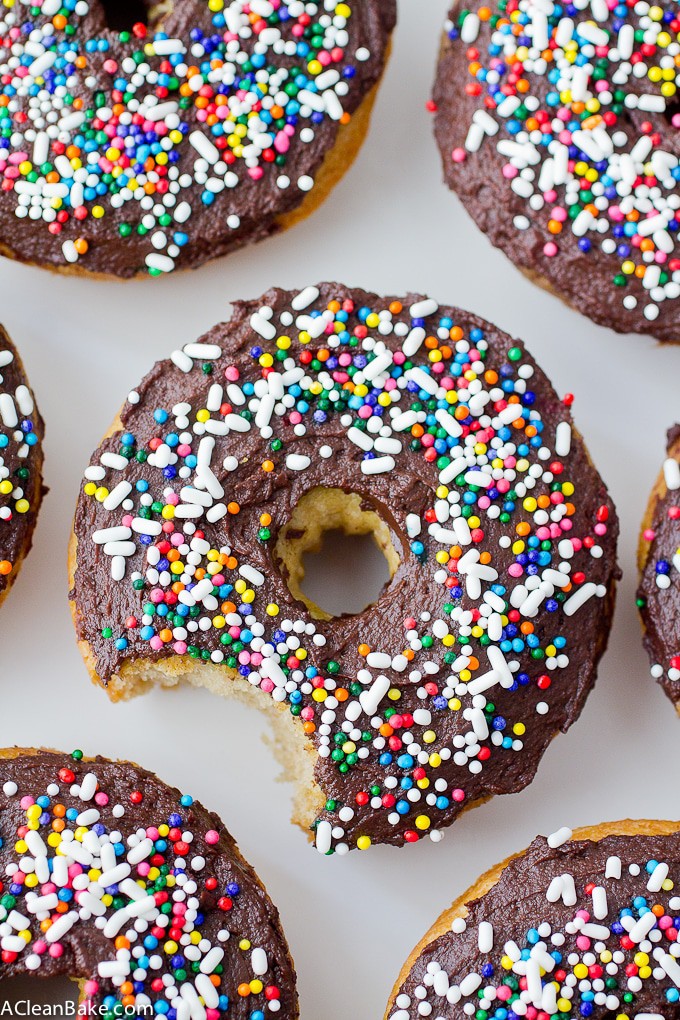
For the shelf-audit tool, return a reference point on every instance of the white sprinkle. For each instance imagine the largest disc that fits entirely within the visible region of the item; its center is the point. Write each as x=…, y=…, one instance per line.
x=422, y=309
x=671, y=473
x=8, y=410
x=448, y=422
x=163, y=263
x=658, y=877
x=559, y=837
x=251, y=575
x=323, y=837
x=304, y=299
x=258, y=960
x=206, y=352
x=613, y=868
x=204, y=147
x=469, y=29
x=262, y=326
x=181, y=361
x=563, y=439
x=58, y=928
x=600, y=906
x=485, y=937
x=360, y=439
x=297, y=462
x=377, y=466
x=580, y=597
x=423, y=380
x=413, y=341
x=642, y=927
x=371, y=698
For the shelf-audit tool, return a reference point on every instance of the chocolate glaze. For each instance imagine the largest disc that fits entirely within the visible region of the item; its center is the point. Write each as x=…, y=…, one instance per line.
x=259, y=204
x=583, y=280
x=16, y=534
x=409, y=489
x=659, y=607
x=251, y=916
x=517, y=903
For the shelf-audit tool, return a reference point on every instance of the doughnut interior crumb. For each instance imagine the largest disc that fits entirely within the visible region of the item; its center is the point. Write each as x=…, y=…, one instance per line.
x=321, y=510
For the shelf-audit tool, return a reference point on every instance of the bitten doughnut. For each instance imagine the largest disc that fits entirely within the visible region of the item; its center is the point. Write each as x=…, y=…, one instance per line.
x=21, y=460
x=579, y=926
x=422, y=425
x=558, y=129
x=135, y=891
x=138, y=148
x=659, y=561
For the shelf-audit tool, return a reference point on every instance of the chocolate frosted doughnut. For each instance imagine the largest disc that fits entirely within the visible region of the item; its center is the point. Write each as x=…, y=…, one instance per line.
x=128, y=149
x=430, y=429
x=659, y=561
x=582, y=927
x=135, y=891
x=21, y=460
x=558, y=129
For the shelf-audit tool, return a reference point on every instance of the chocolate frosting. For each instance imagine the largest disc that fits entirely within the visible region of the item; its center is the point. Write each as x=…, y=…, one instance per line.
x=659, y=589
x=603, y=972
x=409, y=767
x=21, y=457
x=192, y=868
x=244, y=211
x=584, y=279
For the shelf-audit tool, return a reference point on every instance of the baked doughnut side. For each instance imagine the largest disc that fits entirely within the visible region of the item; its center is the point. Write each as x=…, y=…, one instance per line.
x=500, y=534
x=658, y=562
x=134, y=890
x=555, y=902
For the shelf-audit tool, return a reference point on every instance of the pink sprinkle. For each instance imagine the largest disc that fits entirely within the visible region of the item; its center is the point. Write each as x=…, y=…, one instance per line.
x=550, y=249
x=459, y=155
x=458, y=796
x=156, y=643
x=515, y=570
x=509, y=171
x=212, y=837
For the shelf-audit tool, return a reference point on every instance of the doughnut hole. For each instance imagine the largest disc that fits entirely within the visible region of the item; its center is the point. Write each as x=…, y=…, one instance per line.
x=121, y=15
x=336, y=553
x=19, y=992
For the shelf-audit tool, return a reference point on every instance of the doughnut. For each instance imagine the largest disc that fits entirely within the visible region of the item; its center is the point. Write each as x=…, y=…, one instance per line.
x=424, y=426
x=137, y=147
x=21, y=461
x=659, y=562
x=557, y=127
x=156, y=909
x=579, y=925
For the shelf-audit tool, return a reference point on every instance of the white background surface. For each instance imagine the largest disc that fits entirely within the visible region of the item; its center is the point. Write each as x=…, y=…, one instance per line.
x=390, y=226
